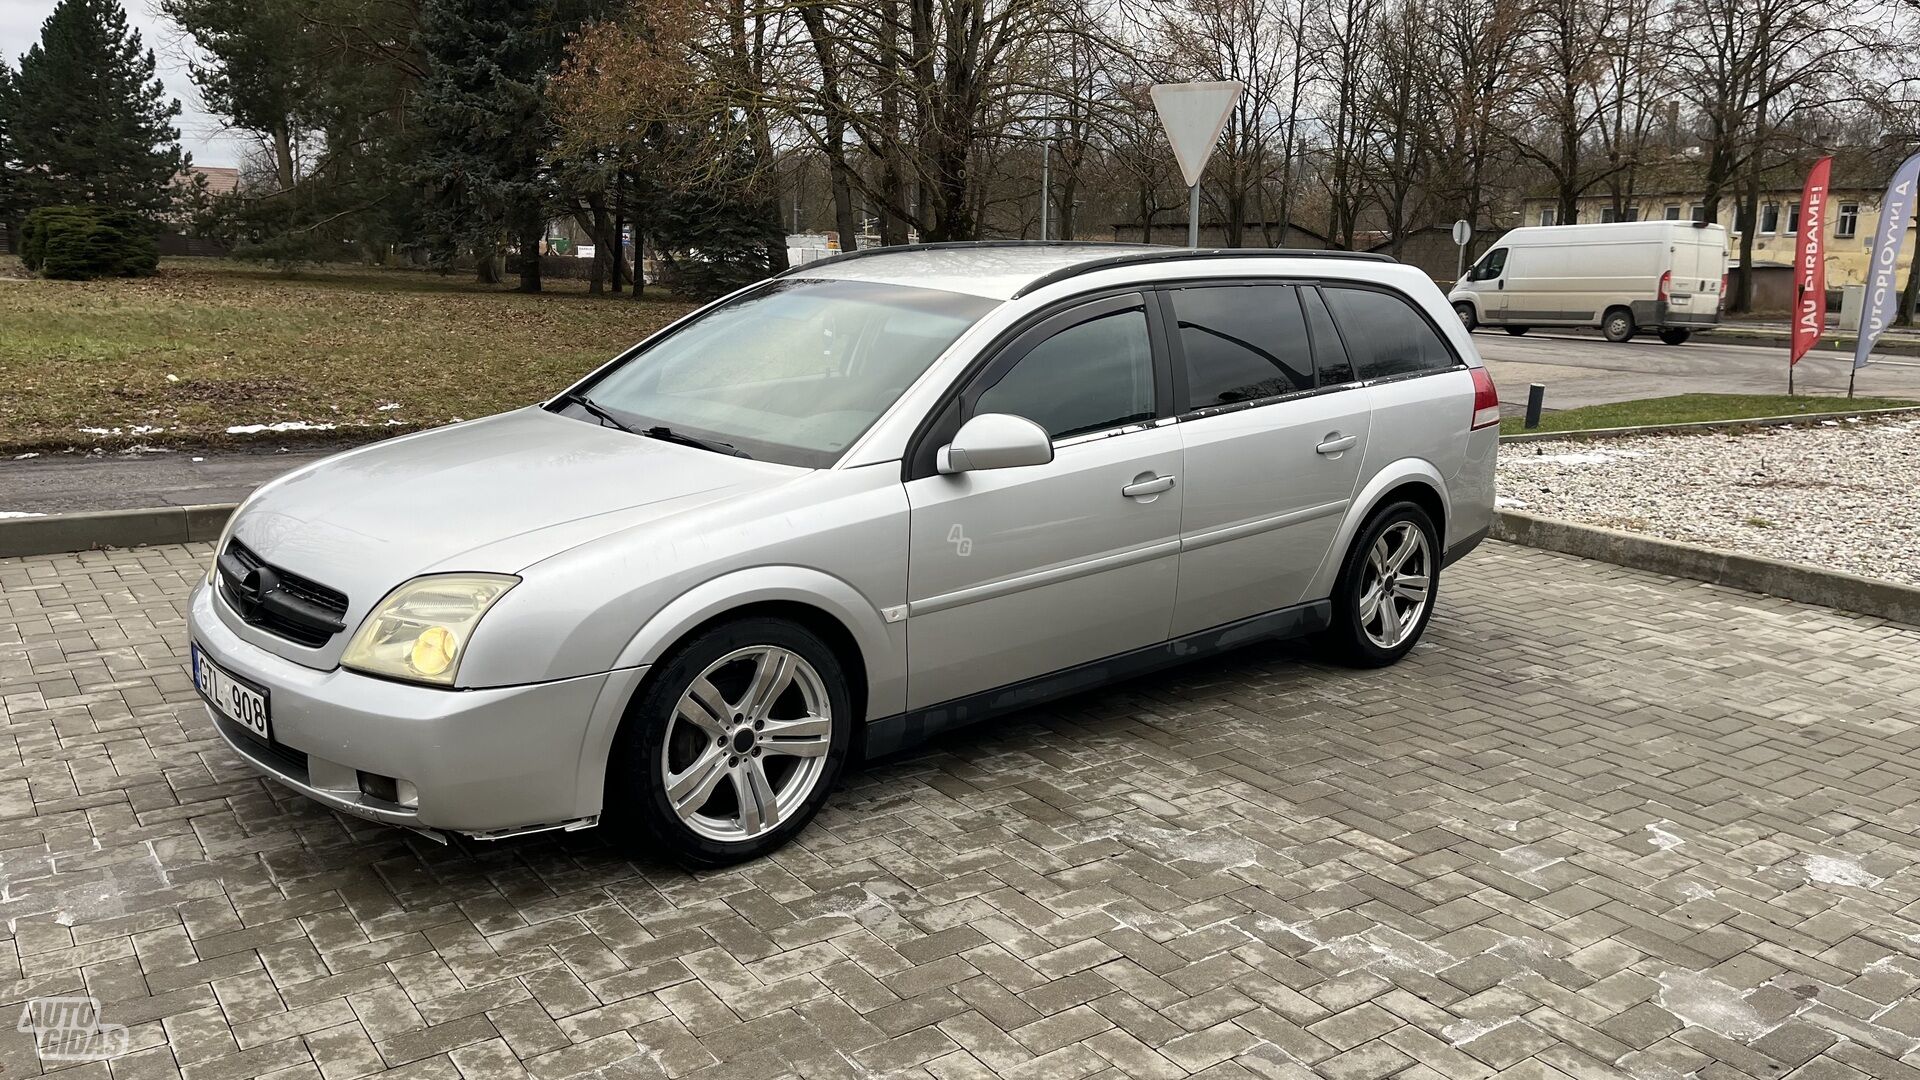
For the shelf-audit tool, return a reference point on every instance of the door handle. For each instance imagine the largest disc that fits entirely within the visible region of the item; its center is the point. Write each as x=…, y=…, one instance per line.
x=1336, y=443
x=1152, y=486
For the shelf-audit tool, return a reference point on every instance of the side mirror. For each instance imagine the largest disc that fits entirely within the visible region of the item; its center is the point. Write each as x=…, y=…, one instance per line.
x=995, y=441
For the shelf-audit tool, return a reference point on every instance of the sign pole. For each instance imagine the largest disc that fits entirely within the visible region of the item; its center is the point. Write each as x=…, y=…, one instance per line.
x=1193, y=216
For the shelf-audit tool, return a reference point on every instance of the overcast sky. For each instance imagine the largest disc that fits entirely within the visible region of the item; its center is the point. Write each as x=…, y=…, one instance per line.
x=202, y=135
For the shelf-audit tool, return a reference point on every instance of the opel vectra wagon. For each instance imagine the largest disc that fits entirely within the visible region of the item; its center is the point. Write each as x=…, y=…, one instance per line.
x=860, y=503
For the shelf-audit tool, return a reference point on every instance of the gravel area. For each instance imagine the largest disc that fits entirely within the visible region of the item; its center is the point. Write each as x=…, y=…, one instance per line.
x=1838, y=494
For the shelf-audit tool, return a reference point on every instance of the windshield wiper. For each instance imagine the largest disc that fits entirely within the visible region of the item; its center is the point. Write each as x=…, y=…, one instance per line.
x=606, y=418
x=667, y=434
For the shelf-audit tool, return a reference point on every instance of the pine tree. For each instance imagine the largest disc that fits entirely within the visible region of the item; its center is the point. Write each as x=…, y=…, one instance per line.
x=10, y=209
x=487, y=128
x=89, y=123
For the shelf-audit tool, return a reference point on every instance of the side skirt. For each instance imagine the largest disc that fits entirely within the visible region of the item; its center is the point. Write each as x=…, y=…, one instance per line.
x=901, y=731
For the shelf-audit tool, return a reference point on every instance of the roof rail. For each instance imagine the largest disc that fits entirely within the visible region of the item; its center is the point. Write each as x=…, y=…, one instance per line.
x=1173, y=254
x=950, y=245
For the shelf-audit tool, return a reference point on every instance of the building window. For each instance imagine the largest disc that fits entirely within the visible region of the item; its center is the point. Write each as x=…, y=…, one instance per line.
x=1793, y=218
x=1699, y=211
x=1547, y=216
x=1770, y=218
x=1848, y=223
x=1673, y=211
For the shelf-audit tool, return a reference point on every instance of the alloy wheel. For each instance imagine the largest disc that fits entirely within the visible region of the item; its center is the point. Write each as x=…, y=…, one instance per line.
x=1396, y=585
x=747, y=743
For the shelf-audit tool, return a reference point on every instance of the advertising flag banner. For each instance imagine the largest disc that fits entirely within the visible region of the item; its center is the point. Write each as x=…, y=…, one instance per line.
x=1810, y=262
x=1883, y=292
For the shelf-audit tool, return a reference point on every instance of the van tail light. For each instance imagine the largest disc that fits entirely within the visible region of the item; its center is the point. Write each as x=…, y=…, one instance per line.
x=1723, y=292
x=1666, y=284
x=1486, y=400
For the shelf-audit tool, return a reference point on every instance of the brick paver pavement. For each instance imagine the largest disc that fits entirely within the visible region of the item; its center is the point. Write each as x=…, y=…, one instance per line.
x=1600, y=824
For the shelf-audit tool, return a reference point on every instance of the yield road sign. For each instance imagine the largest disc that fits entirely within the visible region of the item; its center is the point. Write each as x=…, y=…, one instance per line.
x=1193, y=115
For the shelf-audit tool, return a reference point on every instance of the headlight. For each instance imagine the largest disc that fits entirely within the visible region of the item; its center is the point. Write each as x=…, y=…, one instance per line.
x=419, y=631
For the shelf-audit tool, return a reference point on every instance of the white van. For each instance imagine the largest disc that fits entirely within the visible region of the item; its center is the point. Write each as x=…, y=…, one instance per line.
x=1623, y=277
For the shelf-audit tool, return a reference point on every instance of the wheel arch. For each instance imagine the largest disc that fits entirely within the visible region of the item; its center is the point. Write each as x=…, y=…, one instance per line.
x=866, y=645
x=1412, y=479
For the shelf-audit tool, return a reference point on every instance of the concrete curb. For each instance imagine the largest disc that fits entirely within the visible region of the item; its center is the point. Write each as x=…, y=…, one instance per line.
x=1699, y=426
x=1754, y=573
x=56, y=533
x=1735, y=334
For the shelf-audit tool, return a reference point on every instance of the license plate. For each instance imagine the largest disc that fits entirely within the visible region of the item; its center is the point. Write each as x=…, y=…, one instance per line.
x=230, y=697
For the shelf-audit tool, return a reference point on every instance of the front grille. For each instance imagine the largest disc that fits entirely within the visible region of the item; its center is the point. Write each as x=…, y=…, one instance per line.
x=282, y=759
x=278, y=601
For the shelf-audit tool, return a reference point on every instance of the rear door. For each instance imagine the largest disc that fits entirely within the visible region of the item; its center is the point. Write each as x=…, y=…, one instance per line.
x=1273, y=444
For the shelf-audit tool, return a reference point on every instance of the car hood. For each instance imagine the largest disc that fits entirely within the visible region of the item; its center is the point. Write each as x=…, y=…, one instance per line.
x=491, y=495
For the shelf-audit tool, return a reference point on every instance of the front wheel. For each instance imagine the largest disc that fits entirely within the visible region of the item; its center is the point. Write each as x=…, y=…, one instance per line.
x=1466, y=315
x=1618, y=325
x=1675, y=337
x=733, y=745
x=1387, y=584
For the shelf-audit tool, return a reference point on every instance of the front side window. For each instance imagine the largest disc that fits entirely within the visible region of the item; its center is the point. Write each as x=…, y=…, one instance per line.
x=793, y=371
x=1385, y=335
x=1491, y=265
x=1242, y=343
x=1088, y=377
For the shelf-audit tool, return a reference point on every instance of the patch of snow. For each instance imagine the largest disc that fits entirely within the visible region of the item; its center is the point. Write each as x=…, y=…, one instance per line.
x=137, y=429
x=1502, y=502
x=1463, y=1032
x=1662, y=838
x=23, y=457
x=1828, y=870
x=1573, y=457
x=389, y=406
x=284, y=425
x=199, y=459
x=171, y=377
x=19, y=514
x=1693, y=890
x=1701, y=1001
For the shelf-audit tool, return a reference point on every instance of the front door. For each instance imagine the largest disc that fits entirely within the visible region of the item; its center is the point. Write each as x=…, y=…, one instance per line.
x=1020, y=572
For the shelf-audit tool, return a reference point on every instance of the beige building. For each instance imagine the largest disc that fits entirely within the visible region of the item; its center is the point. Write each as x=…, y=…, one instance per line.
x=1852, y=216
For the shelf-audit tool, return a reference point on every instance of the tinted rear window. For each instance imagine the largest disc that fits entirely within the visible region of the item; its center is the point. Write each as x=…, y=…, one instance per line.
x=1385, y=335
x=1242, y=343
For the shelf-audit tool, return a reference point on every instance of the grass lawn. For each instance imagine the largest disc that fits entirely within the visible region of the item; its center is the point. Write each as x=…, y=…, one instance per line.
x=1689, y=408
x=205, y=345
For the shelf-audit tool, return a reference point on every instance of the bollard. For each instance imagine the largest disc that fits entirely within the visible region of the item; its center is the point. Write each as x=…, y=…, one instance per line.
x=1536, y=397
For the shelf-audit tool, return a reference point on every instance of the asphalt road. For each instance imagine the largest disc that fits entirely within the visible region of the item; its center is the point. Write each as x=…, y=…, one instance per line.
x=1578, y=369
x=1586, y=369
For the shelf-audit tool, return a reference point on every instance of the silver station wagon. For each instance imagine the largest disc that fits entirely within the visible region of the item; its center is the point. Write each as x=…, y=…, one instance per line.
x=864, y=502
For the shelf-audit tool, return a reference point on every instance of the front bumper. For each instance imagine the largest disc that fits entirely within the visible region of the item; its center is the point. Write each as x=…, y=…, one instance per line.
x=498, y=760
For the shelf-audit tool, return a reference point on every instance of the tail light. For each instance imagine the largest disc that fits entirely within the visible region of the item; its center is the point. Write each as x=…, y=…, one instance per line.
x=1486, y=400
x=1666, y=283
x=1723, y=292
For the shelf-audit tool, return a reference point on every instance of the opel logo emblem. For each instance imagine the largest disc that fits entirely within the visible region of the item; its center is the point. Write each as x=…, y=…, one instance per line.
x=254, y=588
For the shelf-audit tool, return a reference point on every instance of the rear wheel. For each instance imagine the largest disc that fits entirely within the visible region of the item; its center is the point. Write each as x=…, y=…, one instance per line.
x=1516, y=331
x=1467, y=317
x=1387, y=585
x=1675, y=337
x=1618, y=325
x=733, y=745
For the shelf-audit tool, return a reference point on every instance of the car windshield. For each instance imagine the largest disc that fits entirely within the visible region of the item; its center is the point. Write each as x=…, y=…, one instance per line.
x=793, y=371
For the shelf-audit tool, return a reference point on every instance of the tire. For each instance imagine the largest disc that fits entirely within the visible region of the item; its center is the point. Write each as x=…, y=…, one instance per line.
x=1359, y=638
x=727, y=765
x=1467, y=317
x=1675, y=337
x=1617, y=325
x=1516, y=331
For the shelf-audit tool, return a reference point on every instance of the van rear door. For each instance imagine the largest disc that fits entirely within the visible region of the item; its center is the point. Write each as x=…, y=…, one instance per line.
x=1697, y=264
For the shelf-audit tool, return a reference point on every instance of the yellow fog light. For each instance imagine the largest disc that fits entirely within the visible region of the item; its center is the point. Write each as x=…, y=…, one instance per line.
x=417, y=632
x=433, y=650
